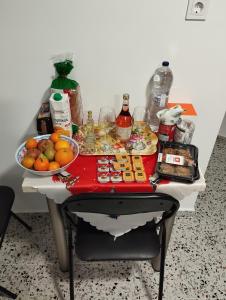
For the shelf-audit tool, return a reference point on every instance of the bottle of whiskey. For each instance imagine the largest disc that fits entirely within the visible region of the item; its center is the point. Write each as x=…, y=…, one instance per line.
x=90, y=135
x=124, y=121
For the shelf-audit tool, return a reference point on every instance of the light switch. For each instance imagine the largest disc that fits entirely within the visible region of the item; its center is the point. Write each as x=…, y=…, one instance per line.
x=197, y=10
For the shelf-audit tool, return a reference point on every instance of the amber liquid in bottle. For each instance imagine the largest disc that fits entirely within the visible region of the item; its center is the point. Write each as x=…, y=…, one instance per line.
x=124, y=121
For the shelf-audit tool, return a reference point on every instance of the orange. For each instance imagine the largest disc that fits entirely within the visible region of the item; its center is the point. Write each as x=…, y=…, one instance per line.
x=62, y=131
x=31, y=143
x=64, y=156
x=41, y=163
x=62, y=144
x=28, y=162
x=55, y=137
x=53, y=165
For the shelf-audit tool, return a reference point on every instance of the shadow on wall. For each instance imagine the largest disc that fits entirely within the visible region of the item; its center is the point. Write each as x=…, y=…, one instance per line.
x=13, y=176
x=24, y=202
x=32, y=128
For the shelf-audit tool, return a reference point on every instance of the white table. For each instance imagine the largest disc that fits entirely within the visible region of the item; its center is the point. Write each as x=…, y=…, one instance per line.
x=56, y=193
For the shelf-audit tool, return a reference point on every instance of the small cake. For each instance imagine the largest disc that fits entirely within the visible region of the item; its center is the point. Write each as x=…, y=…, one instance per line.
x=138, y=168
x=128, y=176
x=122, y=158
x=140, y=176
x=116, y=177
x=167, y=169
x=136, y=159
x=103, y=161
x=103, y=177
x=122, y=166
x=183, y=171
x=103, y=168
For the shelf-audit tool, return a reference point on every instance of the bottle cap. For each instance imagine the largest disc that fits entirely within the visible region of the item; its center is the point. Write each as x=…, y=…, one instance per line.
x=165, y=63
x=126, y=96
x=89, y=113
x=57, y=97
x=74, y=128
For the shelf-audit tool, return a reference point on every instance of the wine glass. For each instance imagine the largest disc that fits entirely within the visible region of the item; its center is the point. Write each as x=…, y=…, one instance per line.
x=139, y=117
x=106, y=120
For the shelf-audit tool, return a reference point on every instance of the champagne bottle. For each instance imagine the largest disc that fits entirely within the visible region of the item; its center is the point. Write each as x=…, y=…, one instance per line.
x=124, y=121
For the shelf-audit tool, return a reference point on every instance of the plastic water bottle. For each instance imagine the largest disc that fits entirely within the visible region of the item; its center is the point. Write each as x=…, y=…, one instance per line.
x=157, y=93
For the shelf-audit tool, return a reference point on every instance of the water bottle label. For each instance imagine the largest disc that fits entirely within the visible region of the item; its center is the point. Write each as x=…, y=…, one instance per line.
x=157, y=100
x=160, y=100
x=163, y=100
x=156, y=78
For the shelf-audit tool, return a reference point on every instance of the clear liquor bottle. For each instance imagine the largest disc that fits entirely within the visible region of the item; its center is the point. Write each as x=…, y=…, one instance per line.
x=90, y=135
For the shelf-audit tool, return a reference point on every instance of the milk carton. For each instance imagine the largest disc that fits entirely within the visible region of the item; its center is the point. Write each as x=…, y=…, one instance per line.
x=61, y=113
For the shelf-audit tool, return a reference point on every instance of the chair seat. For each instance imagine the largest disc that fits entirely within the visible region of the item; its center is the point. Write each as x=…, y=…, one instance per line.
x=138, y=244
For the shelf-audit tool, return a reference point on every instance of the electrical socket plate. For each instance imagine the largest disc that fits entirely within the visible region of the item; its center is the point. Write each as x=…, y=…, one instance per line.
x=197, y=10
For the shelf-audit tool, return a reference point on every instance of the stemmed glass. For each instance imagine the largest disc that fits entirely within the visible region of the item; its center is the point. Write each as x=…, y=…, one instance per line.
x=106, y=120
x=139, y=117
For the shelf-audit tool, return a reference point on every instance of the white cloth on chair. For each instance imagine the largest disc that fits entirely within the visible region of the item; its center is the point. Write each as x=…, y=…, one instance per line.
x=120, y=225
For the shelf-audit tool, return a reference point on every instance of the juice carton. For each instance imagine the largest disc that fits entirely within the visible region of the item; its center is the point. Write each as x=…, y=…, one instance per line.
x=61, y=113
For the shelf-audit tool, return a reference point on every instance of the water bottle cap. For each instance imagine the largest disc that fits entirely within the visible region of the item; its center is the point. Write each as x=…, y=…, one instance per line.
x=165, y=63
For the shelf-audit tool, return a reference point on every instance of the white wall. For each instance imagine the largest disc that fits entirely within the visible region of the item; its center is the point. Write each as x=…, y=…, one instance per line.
x=117, y=44
x=222, y=131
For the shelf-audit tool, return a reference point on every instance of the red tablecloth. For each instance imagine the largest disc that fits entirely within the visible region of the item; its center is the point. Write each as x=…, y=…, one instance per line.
x=86, y=168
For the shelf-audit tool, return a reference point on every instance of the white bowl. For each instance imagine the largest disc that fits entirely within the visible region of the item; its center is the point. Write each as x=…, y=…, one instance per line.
x=22, y=150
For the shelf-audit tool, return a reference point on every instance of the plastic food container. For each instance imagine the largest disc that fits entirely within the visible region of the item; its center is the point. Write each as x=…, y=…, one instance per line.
x=103, y=168
x=184, y=131
x=103, y=161
x=178, y=162
x=103, y=177
x=116, y=177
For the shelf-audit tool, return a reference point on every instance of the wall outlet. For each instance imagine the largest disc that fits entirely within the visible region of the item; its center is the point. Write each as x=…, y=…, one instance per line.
x=197, y=10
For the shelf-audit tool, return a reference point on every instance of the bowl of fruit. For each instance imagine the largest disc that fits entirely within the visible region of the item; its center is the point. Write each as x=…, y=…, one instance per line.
x=48, y=154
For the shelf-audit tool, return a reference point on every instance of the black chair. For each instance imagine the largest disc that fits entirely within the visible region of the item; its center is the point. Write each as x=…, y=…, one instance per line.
x=142, y=243
x=6, y=202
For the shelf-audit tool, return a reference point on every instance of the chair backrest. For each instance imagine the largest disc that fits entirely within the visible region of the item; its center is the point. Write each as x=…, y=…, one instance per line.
x=122, y=203
x=6, y=202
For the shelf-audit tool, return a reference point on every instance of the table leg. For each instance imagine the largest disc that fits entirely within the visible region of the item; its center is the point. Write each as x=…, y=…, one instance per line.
x=59, y=234
x=169, y=226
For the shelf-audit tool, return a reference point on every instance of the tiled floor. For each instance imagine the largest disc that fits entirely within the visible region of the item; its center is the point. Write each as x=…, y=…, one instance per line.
x=195, y=264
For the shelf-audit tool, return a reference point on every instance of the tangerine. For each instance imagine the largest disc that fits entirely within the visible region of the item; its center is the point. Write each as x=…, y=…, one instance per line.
x=28, y=161
x=31, y=143
x=64, y=156
x=62, y=131
x=55, y=137
x=41, y=163
x=62, y=144
x=54, y=165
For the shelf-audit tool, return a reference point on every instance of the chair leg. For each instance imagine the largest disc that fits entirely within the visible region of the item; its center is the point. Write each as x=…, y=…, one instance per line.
x=21, y=221
x=162, y=262
x=71, y=273
x=7, y=293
